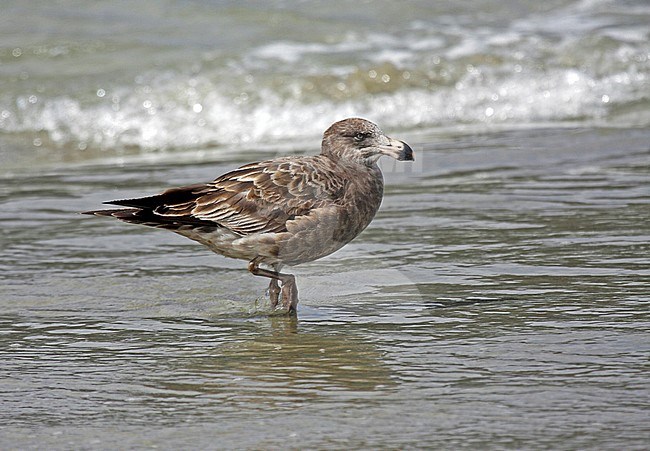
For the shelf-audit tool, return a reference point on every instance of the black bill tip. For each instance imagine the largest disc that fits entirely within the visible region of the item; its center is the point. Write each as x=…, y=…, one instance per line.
x=406, y=154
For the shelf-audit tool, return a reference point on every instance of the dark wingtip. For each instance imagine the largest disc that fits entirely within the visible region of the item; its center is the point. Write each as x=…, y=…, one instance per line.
x=122, y=202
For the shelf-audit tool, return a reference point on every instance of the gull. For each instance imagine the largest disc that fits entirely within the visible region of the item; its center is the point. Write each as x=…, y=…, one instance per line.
x=285, y=211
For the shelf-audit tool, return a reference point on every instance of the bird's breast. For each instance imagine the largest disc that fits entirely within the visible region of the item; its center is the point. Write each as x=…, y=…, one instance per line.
x=332, y=224
x=363, y=195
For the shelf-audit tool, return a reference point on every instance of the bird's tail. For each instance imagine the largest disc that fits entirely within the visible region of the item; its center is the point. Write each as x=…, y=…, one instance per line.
x=149, y=218
x=133, y=216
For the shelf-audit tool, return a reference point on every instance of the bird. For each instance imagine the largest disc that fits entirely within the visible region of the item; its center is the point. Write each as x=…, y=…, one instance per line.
x=279, y=212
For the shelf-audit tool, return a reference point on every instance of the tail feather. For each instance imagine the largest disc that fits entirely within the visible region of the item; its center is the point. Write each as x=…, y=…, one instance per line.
x=147, y=210
x=113, y=213
x=130, y=215
x=149, y=218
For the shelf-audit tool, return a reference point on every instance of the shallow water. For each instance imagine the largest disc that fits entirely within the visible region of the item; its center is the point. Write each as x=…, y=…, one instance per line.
x=499, y=299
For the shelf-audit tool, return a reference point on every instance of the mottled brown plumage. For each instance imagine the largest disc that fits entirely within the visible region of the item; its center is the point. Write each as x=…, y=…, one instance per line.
x=279, y=212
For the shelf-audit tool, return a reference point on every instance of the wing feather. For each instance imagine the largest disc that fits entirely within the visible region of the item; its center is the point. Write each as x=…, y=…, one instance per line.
x=255, y=198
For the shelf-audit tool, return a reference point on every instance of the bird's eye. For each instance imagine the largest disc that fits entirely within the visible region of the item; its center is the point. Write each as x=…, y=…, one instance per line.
x=360, y=137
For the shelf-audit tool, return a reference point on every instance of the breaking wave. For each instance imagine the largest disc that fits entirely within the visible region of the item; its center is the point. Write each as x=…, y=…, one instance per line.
x=588, y=62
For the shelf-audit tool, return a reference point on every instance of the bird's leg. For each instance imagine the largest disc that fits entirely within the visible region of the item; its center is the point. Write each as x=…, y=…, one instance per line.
x=290, y=293
x=289, y=288
x=274, y=292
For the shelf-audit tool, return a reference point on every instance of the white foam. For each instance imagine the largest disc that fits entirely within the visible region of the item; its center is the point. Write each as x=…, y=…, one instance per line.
x=554, y=96
x=553, y=66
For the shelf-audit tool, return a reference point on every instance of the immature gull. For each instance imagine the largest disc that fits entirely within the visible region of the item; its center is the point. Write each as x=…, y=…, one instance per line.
x=284, y=211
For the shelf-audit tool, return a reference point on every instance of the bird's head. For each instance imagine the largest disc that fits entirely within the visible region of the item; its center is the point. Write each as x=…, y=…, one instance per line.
x=362, y=141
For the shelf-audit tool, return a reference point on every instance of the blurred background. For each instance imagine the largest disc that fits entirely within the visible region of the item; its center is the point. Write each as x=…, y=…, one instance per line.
x=499, y=299
x=81, y=79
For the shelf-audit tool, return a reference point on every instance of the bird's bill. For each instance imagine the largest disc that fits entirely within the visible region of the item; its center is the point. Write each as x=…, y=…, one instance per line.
x=397, y=149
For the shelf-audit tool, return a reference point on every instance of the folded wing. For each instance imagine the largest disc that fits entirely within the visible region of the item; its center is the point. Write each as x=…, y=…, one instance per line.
x=256, y=198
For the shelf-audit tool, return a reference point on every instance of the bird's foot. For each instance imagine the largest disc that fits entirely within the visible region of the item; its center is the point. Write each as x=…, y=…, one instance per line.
x=290, y=295
x=289, y=290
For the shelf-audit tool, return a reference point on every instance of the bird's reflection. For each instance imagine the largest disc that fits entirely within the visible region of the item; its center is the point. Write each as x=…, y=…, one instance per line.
x=286, y=363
